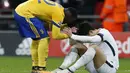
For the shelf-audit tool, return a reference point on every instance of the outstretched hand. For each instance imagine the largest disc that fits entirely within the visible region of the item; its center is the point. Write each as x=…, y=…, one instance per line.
x=67, y=31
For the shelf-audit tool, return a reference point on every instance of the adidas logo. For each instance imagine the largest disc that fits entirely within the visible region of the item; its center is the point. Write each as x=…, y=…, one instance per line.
x=2, y=52
x=24, y=47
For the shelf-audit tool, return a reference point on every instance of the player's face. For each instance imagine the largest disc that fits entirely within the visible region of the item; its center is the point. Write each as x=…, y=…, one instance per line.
x=93, y=32
x=69, y=19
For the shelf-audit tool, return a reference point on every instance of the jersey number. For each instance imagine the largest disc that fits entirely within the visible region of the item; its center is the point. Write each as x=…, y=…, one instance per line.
x=48, y=2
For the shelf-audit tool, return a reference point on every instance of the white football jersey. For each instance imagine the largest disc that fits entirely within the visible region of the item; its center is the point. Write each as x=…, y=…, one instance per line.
x=109, y=47
x=105, y=41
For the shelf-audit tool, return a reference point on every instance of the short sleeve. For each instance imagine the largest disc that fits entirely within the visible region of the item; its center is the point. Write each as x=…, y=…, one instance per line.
x=58, y=17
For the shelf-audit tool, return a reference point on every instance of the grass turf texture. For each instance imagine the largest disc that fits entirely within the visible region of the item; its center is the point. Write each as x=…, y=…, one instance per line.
x=23, y=65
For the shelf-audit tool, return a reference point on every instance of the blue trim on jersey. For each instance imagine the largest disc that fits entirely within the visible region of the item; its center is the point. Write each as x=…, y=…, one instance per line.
x=49, y=3
x=109, y=64
x=101, y=35
x=39, y=1
x=112, y=49
x=55, y=24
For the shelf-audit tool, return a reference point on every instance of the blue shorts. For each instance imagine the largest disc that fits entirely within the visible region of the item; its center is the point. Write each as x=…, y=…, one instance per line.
x=30, y=27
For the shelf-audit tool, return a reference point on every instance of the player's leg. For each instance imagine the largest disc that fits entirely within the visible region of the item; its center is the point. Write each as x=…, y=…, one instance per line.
x=90, y=67
x=34, y=55
x=76, y=51
x=26, y=29
x=81, y=50
x=101, y=63
x=69, y=59
x=41, y=34
x=83, y=60
x=43, y=53
x=99, y=58
x=71, y=56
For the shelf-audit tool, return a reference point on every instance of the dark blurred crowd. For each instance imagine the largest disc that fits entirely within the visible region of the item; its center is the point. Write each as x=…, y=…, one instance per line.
x=84, y=7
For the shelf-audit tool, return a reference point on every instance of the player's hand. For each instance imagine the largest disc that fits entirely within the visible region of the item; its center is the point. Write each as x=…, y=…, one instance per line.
x=67, y=31
x=74, y=29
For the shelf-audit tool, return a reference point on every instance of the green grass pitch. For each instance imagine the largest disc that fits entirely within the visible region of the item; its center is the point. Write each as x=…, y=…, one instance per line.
x=23, y=65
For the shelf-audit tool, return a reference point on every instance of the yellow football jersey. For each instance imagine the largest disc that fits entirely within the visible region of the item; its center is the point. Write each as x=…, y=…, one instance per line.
x=46, y=10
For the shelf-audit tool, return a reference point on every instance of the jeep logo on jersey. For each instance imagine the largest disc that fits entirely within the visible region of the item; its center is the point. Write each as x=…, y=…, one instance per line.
x=65, y=47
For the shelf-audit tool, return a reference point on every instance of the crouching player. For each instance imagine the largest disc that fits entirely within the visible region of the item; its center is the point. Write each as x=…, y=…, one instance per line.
x=31, y=17
x=76, y=52
x=103, y=51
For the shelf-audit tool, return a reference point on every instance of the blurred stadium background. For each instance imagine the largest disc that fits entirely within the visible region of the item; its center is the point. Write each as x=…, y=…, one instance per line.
x=14, y=50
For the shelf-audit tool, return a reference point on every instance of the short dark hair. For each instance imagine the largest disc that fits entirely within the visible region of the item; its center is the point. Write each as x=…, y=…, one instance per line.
x=73, y=11
x=84, y=28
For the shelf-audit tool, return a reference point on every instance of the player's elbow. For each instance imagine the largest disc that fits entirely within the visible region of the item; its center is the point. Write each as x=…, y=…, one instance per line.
x=55, y=37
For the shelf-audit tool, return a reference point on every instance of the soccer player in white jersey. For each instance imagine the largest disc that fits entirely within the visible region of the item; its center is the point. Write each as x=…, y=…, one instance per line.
x=103, y=51
x=72, y=56
x=75, y=53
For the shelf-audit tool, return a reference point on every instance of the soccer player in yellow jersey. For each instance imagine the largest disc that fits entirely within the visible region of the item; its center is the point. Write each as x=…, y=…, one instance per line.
x=31, y=17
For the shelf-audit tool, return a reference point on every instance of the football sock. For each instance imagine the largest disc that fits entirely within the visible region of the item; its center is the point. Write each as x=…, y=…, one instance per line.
x=43, y=52
x=69, y=59
x=90, y=67
x=84, y=59
x=34, y=52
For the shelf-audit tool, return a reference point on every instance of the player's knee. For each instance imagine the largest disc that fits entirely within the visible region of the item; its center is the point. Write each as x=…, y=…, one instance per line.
x=74, y=49
x=94, y=46
x=80, y=46
x=80, y=51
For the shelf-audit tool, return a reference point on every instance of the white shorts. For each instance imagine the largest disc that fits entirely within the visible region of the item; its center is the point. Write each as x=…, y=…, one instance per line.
x=107, y=68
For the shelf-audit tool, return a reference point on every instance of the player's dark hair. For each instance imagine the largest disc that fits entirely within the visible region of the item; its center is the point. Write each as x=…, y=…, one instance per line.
x=84, y=28
x=73, y=11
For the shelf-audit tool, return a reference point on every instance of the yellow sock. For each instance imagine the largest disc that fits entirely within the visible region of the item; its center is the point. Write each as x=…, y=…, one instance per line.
x=34, y=52
x=43, y=51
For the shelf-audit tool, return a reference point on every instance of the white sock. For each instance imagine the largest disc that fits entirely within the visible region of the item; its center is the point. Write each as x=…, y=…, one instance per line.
x=69, y=59
x=90, y=67
x=84, y=59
